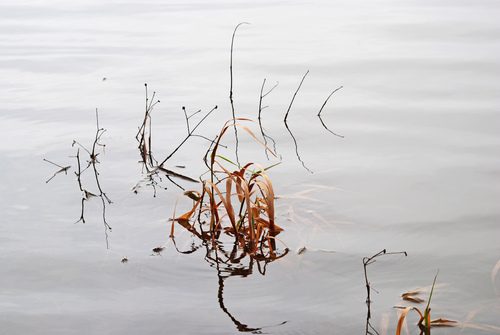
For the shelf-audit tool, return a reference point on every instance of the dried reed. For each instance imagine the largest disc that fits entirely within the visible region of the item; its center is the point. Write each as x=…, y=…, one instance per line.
x=425, y=322
x=237, y=203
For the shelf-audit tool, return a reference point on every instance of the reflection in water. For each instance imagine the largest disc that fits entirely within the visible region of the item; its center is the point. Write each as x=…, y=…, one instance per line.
x=321, y=109
x=151, y=167
x=319, y=116
x=261, y=108
x=91, y=162
x=367, y=261
x=369, y=327
x=286, y=124
x=252, y=229
x=236, y=262
x=62, y=169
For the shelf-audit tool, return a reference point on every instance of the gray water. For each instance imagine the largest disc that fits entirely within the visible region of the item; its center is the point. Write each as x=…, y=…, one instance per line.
x=417, y=171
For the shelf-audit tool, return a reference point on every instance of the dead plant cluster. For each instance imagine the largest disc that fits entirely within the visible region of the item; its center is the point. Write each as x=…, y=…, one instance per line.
x=234, y=203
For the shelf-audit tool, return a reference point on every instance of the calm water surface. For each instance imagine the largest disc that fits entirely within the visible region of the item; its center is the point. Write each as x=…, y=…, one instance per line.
x=418, y=169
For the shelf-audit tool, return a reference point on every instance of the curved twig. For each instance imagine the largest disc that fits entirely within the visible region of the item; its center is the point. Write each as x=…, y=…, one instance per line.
x=231, y=88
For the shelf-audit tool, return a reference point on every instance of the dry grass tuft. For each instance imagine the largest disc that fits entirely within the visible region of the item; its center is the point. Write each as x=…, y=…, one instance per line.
x=425, y=322
x=238, y=204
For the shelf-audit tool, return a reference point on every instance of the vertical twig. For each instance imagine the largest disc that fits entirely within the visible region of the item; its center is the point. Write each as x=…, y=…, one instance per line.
x=98, y=135
x=78, y=174
x=261, y=108
x=231, y=90
x=145, y=146
x=367, y=261
x=370, y=260
x=92, y=162
x=187, y=118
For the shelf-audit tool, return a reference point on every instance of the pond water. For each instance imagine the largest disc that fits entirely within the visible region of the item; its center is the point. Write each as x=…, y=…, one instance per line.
x=418, y=169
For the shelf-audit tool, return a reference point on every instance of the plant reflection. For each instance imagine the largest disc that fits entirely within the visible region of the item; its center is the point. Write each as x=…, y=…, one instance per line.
x=369, y=327
x=151, y=168
x=321, y=109
x=236, y=262
x=367, y=261
x=91, y=162
x=286, y=124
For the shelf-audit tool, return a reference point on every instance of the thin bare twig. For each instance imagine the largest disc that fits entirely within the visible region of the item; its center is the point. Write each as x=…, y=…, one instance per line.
x=370, y=260
x=92, y=162
x=190, y=133
x=286, y=124
x=261, y=108
x=321, y=109
x=62, y=169
x=293, y=98
x=231, y=89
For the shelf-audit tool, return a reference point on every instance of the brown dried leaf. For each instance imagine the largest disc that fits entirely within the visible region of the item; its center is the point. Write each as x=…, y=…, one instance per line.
x=184, y=222
x=194, y=195
x=411, y=293
x=413, y=299
x=402, y=319
x=443, y=323
x=175, y=174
